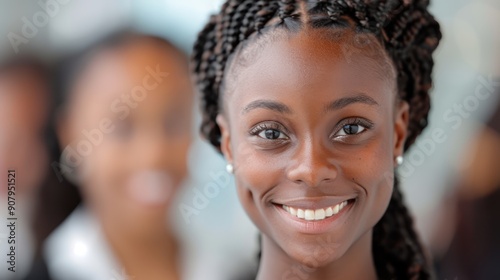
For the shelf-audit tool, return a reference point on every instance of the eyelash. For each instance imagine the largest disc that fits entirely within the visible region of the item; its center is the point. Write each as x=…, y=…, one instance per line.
x=256, y=130
x=366, y=124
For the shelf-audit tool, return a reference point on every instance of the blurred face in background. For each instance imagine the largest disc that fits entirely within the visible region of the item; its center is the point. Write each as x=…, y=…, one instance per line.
x=23, y=116
x=128, y=121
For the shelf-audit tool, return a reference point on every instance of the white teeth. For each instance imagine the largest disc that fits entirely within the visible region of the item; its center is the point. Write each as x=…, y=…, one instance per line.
x=309, y=214
x=319, y=214
x=150, y=187
x=300, y=214
x=336, y=209
x=329, y=212
x=315, y=215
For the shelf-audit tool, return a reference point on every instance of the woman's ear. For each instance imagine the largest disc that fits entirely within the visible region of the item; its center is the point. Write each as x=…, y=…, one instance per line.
x=225, y=142
x=401, y=122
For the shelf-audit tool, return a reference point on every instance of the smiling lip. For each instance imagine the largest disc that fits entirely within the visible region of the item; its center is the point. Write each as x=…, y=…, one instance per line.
x=150, y=187
x=314, y=219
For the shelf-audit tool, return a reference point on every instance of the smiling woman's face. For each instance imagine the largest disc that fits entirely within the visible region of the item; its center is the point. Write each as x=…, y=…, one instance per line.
x=130, y=177
x=312, y=127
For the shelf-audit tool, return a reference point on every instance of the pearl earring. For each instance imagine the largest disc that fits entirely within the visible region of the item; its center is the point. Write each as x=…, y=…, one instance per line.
x=229, y=168
x=399, y=160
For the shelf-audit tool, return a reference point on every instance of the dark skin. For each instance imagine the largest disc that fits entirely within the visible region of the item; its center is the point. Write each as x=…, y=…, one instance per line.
x=23, y=114
x=307, y=125
x=154, y=137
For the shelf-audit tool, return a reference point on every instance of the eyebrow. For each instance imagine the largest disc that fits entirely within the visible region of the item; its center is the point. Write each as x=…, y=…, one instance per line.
x=346, y=101
x=267, y=104
x=334, y=105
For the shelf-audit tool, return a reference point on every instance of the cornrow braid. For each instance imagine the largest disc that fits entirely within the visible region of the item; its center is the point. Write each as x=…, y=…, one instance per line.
x=205, y=54
x=237, y=20
x=397, y=251
x=409, y=35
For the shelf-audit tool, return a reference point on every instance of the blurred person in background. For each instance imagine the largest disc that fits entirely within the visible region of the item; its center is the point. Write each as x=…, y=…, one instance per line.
x=467, y=241
x=24, y=147
x=124, y=124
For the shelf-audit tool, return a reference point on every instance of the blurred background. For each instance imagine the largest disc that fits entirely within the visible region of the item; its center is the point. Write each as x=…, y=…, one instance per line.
x=450, y=177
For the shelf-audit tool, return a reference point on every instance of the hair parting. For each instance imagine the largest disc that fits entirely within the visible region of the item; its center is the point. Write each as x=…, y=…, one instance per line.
x=408, y=33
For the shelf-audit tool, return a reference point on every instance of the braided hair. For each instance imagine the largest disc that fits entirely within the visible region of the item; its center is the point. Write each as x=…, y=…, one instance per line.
x=408, y=33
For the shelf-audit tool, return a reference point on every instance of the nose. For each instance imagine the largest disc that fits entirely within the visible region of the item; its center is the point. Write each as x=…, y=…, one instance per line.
x=151, y=150
x=311, y=165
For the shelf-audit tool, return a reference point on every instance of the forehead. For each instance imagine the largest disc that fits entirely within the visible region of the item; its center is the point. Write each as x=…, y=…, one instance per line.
x=312, y=59
x=24, y=100
x=114, y=72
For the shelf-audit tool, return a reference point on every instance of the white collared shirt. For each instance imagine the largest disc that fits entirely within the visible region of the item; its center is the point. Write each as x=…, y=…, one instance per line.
x=78, y=250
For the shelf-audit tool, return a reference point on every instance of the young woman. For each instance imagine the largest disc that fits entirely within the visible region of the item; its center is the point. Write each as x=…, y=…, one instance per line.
x=24, y=116
x=124, y=126
x=313, y=104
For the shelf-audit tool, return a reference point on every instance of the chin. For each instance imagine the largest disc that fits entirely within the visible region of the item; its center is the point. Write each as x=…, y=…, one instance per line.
x=315, y=256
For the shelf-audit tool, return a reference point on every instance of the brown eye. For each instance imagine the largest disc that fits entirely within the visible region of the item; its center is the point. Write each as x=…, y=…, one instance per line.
x=272, y=134
x=351, y=129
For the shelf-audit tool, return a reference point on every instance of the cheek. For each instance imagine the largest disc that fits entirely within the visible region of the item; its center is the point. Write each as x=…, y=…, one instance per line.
x=378, y=199
x=177, y=153
x=373, y=170
x=256, y=173
x=104, y=174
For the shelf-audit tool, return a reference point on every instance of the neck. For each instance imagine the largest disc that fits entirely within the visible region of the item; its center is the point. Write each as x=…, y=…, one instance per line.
x=356, y=263
x=149, y=254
